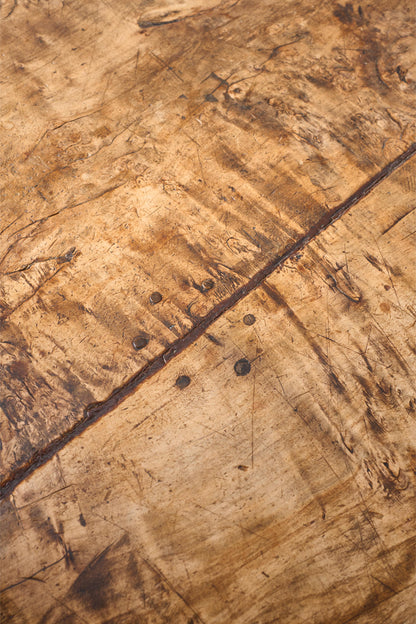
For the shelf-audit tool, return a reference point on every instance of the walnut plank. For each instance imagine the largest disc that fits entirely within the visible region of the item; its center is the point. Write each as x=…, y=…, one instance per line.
x=282, y=490
x=169, y=148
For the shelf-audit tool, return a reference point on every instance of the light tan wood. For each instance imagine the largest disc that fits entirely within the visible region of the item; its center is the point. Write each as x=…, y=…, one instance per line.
x=282, y=495
x=152, y=146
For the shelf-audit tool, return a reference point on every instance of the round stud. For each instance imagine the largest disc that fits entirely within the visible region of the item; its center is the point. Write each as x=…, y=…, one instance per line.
x=249, y=319
x=242, y=367
x=207, y=284
x=155, y=297
x=182, y=381
x=140, y=342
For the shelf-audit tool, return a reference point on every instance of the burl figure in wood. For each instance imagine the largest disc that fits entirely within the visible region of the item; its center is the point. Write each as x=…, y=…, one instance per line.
x=207, y=312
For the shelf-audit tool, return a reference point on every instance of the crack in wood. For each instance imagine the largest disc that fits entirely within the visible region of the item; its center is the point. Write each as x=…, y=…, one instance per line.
x=95, y=411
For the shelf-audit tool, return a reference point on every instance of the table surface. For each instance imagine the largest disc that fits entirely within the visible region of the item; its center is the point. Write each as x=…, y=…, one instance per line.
x=207, y=312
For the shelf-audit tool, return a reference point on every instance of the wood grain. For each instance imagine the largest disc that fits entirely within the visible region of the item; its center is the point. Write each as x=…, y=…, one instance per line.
x=174, y=148
x=280, y=489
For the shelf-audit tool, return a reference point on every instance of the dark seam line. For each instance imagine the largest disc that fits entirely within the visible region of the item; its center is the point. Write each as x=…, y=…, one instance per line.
x=95, y=411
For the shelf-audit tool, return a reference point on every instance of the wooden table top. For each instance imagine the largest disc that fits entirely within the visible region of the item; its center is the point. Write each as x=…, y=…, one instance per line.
x=207, y=312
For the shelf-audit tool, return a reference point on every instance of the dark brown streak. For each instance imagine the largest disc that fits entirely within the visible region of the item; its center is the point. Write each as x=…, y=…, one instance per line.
x=398, y=221
x=372, y=606
x=33, y=576
x=12, y=9
x=163, y=578
x=96, y=411
x=153, y=24
x=32, y=294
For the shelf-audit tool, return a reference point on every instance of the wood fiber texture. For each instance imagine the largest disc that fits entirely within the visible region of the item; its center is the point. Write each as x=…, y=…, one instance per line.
x=281, y=490
x=207, y=312
x=163, y=147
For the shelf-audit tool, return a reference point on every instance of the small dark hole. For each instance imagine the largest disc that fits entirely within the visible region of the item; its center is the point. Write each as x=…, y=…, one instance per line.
x=249, y=319
x=140, y=342
x=182, y=381
x=155, y=297
x=242, y=367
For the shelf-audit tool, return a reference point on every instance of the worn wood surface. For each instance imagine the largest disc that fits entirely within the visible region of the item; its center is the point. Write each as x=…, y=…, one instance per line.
x=174, y=148
x=284, y=493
